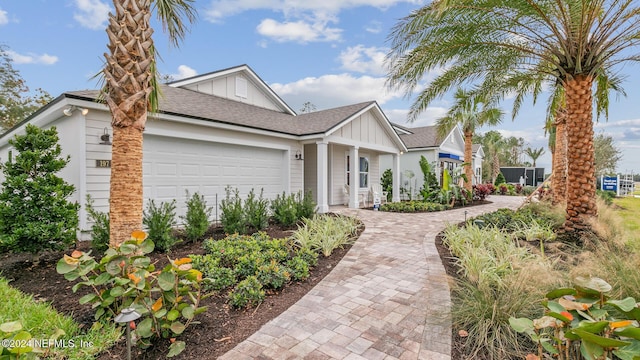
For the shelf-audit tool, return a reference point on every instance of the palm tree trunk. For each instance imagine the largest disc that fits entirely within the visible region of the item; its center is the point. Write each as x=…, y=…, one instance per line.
x=581, y=180
x=495, y=166
x=559, y=161
x=128, y=73
x=468, y=159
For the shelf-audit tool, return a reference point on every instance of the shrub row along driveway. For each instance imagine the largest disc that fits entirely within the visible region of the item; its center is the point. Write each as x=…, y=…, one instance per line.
x=387, y=299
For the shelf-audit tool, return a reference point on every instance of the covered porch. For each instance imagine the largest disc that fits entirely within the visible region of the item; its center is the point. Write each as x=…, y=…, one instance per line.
x=339, y=174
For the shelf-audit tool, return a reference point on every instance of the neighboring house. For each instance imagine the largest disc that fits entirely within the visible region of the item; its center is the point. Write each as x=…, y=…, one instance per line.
x=443, y=153
x=478, y=158
x=224, y=128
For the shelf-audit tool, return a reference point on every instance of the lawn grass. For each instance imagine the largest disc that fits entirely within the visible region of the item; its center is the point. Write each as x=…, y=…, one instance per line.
x=629, y=209
x=42, y=322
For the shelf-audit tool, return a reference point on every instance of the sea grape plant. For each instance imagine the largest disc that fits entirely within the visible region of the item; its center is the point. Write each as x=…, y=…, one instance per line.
x=168, y=299
x=582, y=322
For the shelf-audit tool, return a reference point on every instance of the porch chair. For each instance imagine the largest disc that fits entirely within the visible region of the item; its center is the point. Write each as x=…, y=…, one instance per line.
x=361, y=198
x=376, y=189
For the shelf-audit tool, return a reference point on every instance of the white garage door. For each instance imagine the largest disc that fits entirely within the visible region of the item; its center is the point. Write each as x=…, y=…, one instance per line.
x=173, y=165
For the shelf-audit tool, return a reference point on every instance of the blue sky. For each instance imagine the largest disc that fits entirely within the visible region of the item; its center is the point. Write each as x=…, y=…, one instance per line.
x=328, y=52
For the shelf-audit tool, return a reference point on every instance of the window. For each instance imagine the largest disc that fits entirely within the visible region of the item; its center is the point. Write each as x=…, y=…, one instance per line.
x=363, y=171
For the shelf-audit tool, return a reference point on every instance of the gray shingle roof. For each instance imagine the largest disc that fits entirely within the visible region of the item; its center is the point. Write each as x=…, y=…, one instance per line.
x=421, y=137
x=189, y=103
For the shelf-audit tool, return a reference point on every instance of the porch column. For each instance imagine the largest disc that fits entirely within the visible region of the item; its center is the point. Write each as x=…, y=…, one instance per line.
x=323, y=177
x=395, y=183
x=354, y=177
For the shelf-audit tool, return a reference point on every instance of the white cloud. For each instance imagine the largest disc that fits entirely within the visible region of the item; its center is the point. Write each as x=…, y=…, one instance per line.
x=92, y=14
x=374, y=27
x=4, y=17
x=184, y=72
x=329, y=91
x=364, y=59
x=44, y=59
x=220, y=9
x=298, y=31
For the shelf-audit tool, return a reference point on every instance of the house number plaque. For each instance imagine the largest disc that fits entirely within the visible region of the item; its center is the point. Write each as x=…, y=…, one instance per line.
x=103, y=163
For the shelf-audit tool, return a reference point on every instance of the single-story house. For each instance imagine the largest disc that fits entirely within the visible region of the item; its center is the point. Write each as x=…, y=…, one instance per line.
x=444, y=153
x=224, y=128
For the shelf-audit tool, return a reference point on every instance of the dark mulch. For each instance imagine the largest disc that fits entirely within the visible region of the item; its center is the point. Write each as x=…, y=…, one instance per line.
x=220, y=328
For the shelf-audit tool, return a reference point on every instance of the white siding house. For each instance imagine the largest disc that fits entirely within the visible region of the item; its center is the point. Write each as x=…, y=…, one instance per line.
x=225, y=128
x=442, y=153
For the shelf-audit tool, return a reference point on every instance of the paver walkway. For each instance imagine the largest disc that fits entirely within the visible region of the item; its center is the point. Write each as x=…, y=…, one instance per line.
x=387, y=299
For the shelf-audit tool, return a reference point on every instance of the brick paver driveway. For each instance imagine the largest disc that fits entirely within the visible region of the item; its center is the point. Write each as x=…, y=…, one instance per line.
x=387, y=299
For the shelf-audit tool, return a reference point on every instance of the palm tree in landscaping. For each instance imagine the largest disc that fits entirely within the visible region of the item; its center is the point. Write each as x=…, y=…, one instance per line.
x=479, y=41
x=534, y=154
x=131, y=89
x=470, y=112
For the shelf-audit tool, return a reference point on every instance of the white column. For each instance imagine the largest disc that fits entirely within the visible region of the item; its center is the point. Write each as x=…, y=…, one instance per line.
x=354, y=177
x=396, y=177
x=323, y=177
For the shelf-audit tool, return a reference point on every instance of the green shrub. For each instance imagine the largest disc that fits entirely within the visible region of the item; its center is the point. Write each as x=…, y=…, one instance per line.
x=219, y=278
x=248, y=292
x=247, y=264
x=413, y=206
x=125, y=278
x=273, y=274
x=35, y=214
x=386, y=181
x=285, y=209
x=232, y=214
x=100, y=227
x=607, y=196
x=196, y=220
x=309, y=256
x=305, y=206
x=299, y=268
x=584, y=321
x=256, y=212
x=159, y=221
x=499, y=180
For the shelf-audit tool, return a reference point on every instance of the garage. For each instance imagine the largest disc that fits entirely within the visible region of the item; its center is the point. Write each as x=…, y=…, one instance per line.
x=173, y=165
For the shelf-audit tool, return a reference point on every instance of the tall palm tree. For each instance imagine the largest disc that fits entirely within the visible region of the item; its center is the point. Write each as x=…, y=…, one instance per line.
x=534, y=154
x=571, y=41
x=469, y=112
x=130, y=91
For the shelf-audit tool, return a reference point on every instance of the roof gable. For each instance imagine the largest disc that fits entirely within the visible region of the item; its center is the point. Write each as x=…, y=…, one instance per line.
x=427, y=137
x=239, y=83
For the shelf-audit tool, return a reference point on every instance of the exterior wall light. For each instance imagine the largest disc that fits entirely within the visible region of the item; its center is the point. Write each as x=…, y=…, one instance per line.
x=68, y=111
x=298, y=155
x=105, y=137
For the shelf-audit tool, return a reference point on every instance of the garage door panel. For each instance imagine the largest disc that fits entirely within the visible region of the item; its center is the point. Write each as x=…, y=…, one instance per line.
x=172, y=166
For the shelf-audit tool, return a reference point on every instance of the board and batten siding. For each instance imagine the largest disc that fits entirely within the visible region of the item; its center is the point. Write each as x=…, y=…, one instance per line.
x=226, y=87
x=311, y=170
x=97, y=179
x=366, y=128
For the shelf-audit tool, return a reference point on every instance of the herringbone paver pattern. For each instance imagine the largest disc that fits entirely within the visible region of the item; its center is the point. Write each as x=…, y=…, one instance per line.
x=387, y=299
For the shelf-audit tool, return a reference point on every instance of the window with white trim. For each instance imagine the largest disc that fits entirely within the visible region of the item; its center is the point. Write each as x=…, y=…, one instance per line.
x=363, y=171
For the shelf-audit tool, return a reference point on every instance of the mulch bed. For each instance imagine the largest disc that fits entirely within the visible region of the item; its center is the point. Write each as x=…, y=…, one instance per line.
x=220, y=328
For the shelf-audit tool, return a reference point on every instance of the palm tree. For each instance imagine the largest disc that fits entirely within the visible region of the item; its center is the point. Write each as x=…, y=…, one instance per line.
x=534, y=154
x=571, y=41
x=130, y=91
x=469, y=112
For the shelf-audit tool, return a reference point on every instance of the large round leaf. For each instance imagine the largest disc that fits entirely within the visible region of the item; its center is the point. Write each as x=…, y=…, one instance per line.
x=592, y=286
x=166, y=280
